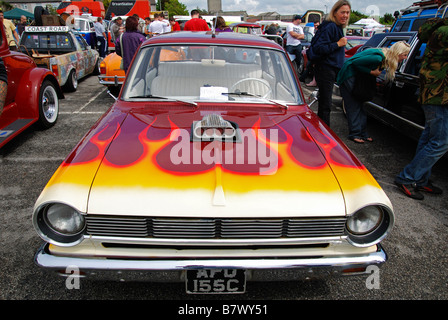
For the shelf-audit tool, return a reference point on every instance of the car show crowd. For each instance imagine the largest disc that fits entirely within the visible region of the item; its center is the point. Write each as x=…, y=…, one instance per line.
x=326, y=55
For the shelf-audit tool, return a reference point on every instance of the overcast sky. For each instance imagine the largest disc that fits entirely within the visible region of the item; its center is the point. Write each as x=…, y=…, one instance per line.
x=254, y=7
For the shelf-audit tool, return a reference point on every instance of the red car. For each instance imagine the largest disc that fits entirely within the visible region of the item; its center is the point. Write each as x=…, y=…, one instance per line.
x=211, y=170
x=33, y=94
x=352, y=46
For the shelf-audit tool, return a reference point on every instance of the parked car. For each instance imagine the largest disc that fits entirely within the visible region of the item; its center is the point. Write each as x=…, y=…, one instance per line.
x=61, y=50
x=85, y=27
x=33, y=94
x=396, y=103
x=353, y=45
x=167, y=185
x=246, y=28
x=412, y=17
x=111, y=75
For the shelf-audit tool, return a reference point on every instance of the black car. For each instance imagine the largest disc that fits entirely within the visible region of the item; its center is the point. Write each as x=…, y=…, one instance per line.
x=396, y=103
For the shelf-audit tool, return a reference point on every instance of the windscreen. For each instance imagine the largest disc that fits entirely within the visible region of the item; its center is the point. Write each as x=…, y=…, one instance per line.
x=213, y=73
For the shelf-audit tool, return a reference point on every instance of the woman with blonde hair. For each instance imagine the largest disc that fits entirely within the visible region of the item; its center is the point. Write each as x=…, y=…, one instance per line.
x=357, y=82
x=327, y=54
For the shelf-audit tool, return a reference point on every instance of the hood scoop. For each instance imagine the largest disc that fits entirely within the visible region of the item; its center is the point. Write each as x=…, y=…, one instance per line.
x=213, y=127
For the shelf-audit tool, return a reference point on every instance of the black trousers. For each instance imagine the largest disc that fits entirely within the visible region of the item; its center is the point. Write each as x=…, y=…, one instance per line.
x=325, y=77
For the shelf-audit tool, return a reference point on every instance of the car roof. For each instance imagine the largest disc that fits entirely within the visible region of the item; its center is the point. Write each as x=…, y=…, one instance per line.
x=208, y=37
x=377, y=38
x=245, y=24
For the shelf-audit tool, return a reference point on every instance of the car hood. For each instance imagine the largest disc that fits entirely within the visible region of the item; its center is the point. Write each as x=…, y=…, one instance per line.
x=146, y=163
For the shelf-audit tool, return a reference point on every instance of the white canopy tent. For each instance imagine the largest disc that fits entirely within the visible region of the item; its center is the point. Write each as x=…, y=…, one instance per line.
x=371, y=23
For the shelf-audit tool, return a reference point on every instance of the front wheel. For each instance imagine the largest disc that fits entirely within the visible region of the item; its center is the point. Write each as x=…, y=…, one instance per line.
x=48, y=105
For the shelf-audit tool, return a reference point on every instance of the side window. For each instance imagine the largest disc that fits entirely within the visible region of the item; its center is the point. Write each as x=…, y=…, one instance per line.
x=414, y=61
x=417, y=24
x=402, y=25
x=81, y=42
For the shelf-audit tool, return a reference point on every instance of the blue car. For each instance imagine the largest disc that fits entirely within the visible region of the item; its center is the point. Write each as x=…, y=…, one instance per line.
x=85, y=27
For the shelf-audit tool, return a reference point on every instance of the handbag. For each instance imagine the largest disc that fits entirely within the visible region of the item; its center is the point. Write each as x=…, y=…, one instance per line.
x=364, y=87
x=311, y=55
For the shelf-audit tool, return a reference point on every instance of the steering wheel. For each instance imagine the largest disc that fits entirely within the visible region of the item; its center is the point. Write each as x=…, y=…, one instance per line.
x=264, y=82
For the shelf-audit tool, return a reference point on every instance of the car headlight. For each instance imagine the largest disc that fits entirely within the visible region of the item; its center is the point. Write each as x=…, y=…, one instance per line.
x=64, y=219
x=369, y=225
x=59, y=224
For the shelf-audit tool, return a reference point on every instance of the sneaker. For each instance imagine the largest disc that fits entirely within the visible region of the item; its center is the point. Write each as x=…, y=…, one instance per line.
x=410, y=190
x=430, y=188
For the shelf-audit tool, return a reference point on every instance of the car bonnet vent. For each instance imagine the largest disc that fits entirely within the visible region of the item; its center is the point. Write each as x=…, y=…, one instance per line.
x=214, y=127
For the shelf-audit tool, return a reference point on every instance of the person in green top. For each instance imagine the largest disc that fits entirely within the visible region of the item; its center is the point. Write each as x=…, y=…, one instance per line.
x=433, y=142
x=369, y=62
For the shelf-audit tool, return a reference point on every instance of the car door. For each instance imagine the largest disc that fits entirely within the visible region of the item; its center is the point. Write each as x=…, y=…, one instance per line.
x=407, y=80
x=399, y=98
x=87, y=56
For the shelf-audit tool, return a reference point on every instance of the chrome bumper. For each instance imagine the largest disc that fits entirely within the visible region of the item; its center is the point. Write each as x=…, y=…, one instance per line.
x=118, y=81
x=258, y=269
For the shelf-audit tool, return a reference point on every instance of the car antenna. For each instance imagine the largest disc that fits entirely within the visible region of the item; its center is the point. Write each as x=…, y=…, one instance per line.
x=215, y=19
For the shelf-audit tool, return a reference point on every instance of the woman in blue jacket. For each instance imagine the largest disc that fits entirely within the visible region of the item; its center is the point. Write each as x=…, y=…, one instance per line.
x=330, y=48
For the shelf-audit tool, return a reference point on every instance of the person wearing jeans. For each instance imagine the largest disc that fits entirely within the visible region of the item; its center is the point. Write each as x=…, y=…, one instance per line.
x=368, y=63
x=433, y=143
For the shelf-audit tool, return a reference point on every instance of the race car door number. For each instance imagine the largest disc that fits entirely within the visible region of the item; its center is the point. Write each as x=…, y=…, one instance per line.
x=216, y=281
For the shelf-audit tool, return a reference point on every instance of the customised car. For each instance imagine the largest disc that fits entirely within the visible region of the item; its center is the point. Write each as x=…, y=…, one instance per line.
x=214, y=171
x=62, y=50
x=33, y=94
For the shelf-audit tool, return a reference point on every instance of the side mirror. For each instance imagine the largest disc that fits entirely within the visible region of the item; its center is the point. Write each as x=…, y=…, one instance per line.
x=313, y=97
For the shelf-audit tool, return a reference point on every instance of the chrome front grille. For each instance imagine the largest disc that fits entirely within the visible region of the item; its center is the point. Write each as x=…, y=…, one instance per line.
x=228, y=228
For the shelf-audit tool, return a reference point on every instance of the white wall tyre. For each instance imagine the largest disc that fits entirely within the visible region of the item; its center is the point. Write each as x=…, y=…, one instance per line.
x=48, y=105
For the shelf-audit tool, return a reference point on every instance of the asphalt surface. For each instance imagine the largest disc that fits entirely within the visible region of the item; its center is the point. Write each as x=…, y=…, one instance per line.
x=417, y=246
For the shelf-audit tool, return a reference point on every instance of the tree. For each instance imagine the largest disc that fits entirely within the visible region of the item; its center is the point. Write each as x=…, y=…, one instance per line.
x=174, y=7
x=355, y=16
x=5, y=6
x=387, y=19
x=106, y=4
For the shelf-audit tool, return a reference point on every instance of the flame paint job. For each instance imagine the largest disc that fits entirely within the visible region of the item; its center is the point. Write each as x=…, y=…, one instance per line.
x=124, y=164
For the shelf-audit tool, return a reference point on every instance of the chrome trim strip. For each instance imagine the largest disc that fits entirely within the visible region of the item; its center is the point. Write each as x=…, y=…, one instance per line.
x=217, y=242
x=382, y=109
x=117, y=80
x=44, y=259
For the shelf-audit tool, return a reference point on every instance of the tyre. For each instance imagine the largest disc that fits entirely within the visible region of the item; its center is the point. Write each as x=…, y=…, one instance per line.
x=72, y=82
x=96, y=70
x=48, y=105
x=300, y=67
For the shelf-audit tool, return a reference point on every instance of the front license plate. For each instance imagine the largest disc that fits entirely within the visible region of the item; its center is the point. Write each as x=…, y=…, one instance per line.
x=216, y=281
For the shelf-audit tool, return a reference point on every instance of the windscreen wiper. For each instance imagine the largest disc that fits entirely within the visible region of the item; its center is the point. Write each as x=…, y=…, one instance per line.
x=246, y=94
x=150, y=96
